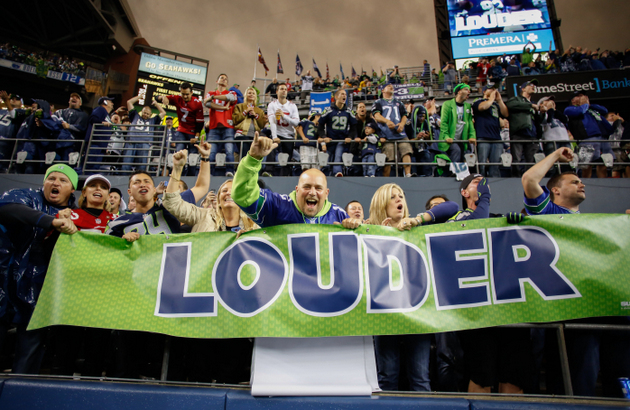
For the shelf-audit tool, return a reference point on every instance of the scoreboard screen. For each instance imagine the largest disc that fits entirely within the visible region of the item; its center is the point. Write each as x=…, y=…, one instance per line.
x=159, y=75
x=495, y=27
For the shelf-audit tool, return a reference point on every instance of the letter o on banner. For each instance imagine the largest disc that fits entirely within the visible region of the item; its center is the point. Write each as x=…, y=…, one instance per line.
x=271, y=276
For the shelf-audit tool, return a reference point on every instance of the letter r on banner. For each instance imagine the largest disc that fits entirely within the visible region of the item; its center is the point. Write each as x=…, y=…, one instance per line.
x=532, y=260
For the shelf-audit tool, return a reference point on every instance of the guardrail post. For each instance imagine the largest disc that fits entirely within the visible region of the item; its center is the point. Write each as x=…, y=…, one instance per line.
x=564, y=361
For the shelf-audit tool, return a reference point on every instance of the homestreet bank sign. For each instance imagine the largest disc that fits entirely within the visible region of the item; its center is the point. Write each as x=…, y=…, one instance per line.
x=172, y=68
x=323, y=280
x=599, y=84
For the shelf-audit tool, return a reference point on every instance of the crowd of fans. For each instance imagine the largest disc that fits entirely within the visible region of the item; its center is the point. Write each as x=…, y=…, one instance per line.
x=43, y=61
x=491, y=135
x=482, y=360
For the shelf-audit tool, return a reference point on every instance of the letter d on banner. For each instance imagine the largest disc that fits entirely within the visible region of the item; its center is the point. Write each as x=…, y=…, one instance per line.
x=382, y=254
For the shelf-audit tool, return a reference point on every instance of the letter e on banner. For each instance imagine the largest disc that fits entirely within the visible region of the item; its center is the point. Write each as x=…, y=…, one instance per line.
x=526, y=254
x=383, y=254
x=247, y=298
x=451, y=270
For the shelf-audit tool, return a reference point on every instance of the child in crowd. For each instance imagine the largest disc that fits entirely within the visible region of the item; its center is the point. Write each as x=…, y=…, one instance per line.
x=370, y=148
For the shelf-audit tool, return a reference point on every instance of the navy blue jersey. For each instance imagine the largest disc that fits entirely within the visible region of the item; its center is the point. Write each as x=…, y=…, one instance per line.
x=337, y=124
x=77, y=119
x=9, y=124
x=394, y=111
x=487, y=124
x=156, y=221
x=310, y=131
x=542, y=205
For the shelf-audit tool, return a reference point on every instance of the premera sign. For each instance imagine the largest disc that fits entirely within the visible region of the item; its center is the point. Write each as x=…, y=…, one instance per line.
x=500, y=43
x=599, y=84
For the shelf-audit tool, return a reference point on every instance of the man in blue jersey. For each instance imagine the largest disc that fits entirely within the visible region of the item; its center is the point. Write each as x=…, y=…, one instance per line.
x=492, y=355
x=10, y=120
x=337, y=123
x=149, y=218
x=564, y=192
x=589, y=351
x=73, y=126
x=391, y=116
x=307, y=204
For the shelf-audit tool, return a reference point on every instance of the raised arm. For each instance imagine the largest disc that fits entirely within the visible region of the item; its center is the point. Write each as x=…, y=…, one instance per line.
x=531, y=179
x=202, y=185
x=160, y=109
x=132, y=101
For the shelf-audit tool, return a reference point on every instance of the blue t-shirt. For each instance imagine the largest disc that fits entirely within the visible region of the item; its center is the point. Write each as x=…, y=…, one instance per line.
x=140, y=124
x=487, y=124
x=310, y=131
x=273, y=209
x=542, y=205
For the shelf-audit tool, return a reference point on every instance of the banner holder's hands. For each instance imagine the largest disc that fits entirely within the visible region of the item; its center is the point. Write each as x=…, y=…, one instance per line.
x=131, y=236
x=65, y=213
x=350, y=223
x=64, y=226
x=515, y=217
x=261, y=147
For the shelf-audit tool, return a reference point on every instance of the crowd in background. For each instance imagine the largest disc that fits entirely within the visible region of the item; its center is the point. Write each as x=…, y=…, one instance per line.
x=131, y=138
x=43, y=60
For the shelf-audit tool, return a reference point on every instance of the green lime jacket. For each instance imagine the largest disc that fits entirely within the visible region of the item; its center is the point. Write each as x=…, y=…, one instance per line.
x=449, y=124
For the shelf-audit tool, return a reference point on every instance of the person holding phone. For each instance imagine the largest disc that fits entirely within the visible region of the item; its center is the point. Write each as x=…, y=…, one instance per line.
x=248, y=118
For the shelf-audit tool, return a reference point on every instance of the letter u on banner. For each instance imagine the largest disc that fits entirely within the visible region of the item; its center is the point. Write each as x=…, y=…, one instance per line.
x=381, y=254
x=308, y=292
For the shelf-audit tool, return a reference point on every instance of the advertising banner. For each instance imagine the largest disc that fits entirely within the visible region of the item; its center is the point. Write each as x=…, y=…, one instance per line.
x=72, y=78
x=320, y=101
x=500, y=43
x=408, y=91
x=324, y=280
x=598, y=84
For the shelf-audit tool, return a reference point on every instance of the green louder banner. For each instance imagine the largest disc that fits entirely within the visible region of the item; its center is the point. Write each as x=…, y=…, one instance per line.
x=320, y=280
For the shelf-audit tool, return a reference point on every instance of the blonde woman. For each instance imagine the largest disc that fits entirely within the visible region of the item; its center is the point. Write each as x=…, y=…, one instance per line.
x=389, y=208
x=226, y=217
x=248, y=118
